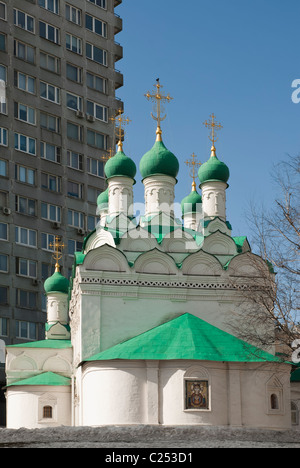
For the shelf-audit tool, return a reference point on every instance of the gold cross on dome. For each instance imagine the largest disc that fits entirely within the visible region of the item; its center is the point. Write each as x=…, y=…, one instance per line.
x=106, y=157
x=120, y=122
x=214, y=126
x=57, y=246
x=158, y=99
x=193, y=163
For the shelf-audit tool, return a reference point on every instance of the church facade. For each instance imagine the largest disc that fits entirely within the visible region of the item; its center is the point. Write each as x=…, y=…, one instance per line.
x=141, y=334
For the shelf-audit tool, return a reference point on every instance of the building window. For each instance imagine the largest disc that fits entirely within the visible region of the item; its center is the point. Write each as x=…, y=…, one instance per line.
x=50, y=122
x=99, y=3
x=95, y=25
x=3, y=263
x=3, y=295
x=96, y=54
x=47, y=241
x=25, y=144
x=74, y=73
x=24, y=21
x=74, y=44
x=24, y=82
x=49, y=62
x=25, y=175
x=47, y=412
x=96, y=82
x=74, y=132
x=25, y=206
x=3, y=326
x=2, y=11
x=95, y=167
x=25, y=299
x=3, y=168
x=51, y=212
x=25, y=236
x=98, y=140
x=24, y=113
x=24, y=51
x=50, y=152
x=3, y=73
x=75, y=160
x=51, y=182
x=3, y=231
x=76, y=219
x=92, y=222
x=3, y=137
x=50, y=92
x=2, y=42
x=25, y=267
x=26, y=330
x=51, y=5
x=98, y=111
x=73, y=14
x=49, y=32
x=75, y=189
x=74, y=102
x=47, y=271
x=92, y=194
x=74, y=246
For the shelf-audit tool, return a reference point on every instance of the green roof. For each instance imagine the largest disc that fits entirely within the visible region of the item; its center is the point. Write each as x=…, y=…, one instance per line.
x=159, y=161
x=47, y=378
x=120, y=165
x=57, y=283
x=186, y=337
x=46, y=344
x=102, y=200
x=295, y=377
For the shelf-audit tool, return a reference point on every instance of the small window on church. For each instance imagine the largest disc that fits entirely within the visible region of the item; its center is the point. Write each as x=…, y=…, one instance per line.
x=274, y=402
x=196, y=394
x=295, y=414
x=47, y=412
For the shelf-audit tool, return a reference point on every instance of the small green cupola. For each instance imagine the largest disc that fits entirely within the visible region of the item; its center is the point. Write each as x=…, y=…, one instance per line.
x=57, y=283
x=102, y=200
x=213, y=169
x=120, y=165
x=191, y=203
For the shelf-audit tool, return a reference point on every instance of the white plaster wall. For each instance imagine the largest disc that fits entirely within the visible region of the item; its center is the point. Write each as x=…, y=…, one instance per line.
x=120, y=196
x=159, y=194
x=214, y=199
x=24, y=409
x=172, y=395
x=113, y=395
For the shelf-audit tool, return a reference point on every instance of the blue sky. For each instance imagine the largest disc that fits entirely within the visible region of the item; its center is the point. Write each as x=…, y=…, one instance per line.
x=234, y=58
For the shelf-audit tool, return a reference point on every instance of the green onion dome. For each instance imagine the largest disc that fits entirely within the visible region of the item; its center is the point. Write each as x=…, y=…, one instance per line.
x=213, y=169
x=189, y=203
x=102, y=200
x=120, y=165
x=159, y=161
x=56, y=283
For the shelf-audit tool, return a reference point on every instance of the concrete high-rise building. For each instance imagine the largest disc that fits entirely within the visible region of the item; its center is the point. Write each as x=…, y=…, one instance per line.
x=57, y=95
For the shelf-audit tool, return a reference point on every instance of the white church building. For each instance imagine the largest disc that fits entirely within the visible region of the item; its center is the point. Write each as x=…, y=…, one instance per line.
x=141, y=334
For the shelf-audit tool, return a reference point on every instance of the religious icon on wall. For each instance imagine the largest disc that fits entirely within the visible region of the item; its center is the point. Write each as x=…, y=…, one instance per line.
x=197, y=394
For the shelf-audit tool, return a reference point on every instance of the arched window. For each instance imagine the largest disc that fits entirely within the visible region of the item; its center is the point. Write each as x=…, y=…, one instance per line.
x=47, y=412
x=295, y=414
x=274, y=401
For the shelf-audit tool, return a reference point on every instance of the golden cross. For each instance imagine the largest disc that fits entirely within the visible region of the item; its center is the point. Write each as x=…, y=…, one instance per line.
x=158, y=99
x=119, y=122
x=214, y=126
x=193, y=163
x=57, y=246
x=106, y=157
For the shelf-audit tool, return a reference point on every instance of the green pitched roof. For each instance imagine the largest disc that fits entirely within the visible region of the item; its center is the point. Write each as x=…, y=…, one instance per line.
x=47, y=344
x=185, y=337
x=47, y=378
